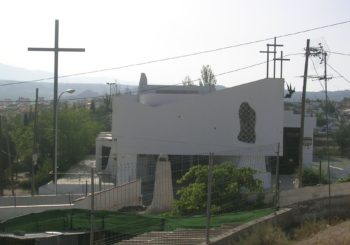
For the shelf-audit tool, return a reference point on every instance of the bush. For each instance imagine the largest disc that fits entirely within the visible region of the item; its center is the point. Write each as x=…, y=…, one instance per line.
x=345, y=179
x=265, y=235
x=312, y=177
x=230, y=188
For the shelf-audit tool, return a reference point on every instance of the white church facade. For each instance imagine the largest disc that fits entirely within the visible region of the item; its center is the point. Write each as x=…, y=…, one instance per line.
x=242, y=124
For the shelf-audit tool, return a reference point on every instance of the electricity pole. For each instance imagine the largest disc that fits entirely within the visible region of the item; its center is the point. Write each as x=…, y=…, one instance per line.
x=327, y=133
x=323, y=54
x=302, y=117
x=309, y=51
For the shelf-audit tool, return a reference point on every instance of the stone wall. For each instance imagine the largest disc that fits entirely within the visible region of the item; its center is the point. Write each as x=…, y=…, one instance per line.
x=293, y=196
x=291, y=217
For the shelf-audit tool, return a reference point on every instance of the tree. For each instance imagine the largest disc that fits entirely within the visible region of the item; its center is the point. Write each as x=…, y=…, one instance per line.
x=320, y=119
x=342, y=137
x=331, y=107
x=187, y=81
x=77, y=131
x=76, y=136
x=230, y=187
x=207, y=76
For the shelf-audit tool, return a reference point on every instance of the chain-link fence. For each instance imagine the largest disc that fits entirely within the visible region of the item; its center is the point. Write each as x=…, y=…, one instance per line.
x=187, y=198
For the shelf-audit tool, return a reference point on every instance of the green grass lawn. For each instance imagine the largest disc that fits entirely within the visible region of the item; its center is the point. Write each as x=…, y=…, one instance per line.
x=199, y=222
x=122, y=223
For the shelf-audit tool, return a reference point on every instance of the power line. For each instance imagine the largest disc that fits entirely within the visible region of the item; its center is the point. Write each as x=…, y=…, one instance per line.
x=163, y=86
x=185, y=55
x=318, y=75
x=339, y=53
x=347, y=80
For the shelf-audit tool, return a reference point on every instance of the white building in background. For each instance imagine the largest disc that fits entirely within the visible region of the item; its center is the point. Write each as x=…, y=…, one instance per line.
x=242, y=124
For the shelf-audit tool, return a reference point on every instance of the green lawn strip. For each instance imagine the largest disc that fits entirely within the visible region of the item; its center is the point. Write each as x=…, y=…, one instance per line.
x=122, y=223
x=200, y=221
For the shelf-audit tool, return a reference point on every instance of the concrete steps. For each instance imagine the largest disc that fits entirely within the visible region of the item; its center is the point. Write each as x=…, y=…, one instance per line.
x=179, y=236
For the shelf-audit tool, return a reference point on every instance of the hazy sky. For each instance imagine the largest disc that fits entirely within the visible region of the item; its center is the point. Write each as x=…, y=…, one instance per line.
x=117, y=33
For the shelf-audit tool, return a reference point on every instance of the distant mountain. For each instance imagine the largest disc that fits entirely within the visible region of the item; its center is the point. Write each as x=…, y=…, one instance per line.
x=332, y=95
x=91, y=86
x=84, y=86
x=82, y=90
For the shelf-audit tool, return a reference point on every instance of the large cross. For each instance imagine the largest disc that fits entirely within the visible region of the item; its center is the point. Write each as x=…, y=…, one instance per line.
x=56, y=49
x=274, y=45
x=282, y=59
x=268, y=52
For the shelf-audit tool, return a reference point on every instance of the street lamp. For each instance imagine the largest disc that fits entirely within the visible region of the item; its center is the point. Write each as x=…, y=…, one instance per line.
x=110, y=88
x=70, y=91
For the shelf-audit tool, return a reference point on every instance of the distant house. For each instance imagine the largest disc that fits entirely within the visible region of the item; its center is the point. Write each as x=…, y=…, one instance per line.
x=242, y=124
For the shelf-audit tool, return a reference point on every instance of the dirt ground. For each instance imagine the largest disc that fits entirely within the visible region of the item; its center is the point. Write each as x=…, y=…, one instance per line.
x=333, y=235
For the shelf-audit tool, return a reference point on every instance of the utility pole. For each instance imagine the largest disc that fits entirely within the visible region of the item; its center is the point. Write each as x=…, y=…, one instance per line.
x=309, y=51
x=302, y=116
x=35, y=136
x=324, y=58
x=56, y=50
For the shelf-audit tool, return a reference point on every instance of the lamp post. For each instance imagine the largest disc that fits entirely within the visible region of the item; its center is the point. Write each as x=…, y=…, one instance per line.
x=110, y=88
x=70, y=91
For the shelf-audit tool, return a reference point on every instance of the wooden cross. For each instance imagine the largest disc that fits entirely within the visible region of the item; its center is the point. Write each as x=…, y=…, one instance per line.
x=56, y=49
x=274, y=45
x=282, y=59
x=268, y=52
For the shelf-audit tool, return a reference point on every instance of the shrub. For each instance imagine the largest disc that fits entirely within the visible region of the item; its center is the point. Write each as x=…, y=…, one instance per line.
x=265, y=235
x=230, y=188
x=312, y=177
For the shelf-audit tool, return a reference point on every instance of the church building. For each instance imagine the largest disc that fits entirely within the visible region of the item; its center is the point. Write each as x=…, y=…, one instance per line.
x=242, y=124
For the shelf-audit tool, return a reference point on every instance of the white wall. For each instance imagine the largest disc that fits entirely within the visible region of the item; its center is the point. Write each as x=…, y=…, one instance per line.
x=126, y=168
x=200, y=124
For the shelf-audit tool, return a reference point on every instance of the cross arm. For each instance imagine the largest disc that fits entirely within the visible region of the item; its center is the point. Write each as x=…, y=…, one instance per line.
x=41, y=49
x=59, y=49
x=71, y=49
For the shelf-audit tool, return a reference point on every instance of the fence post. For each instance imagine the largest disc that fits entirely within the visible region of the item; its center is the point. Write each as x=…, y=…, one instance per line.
x=210, y=177
x=92, y=206
x=277, y=205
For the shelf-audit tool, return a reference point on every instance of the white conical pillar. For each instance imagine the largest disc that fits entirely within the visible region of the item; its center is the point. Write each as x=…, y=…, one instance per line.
x=163, y=196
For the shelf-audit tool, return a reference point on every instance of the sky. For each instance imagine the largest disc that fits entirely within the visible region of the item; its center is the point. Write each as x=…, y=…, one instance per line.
x=118, y=33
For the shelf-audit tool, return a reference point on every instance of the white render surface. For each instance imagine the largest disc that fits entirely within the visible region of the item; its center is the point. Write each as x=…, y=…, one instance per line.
x=200, y=124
